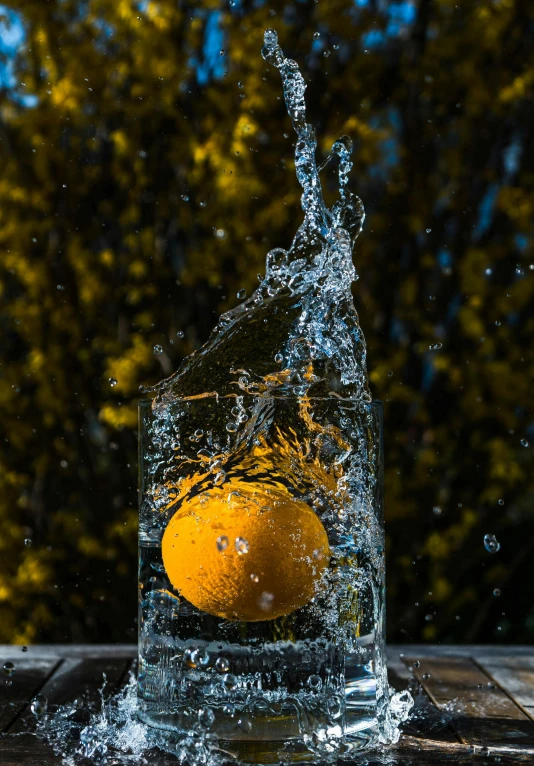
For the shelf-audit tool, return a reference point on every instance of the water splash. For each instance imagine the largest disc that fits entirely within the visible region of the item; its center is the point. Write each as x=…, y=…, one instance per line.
x=298, y=333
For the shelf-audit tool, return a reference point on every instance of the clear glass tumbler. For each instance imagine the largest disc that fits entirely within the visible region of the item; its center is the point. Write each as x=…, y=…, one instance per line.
x=261, y=575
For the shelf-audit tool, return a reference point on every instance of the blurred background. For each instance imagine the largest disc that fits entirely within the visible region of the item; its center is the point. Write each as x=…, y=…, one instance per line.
x=146, y=168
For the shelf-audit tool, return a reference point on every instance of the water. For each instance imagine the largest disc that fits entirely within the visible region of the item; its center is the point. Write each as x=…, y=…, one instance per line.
x=261, y=532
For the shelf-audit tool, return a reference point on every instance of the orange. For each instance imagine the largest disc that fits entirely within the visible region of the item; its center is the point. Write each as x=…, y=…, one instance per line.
x=244, y=553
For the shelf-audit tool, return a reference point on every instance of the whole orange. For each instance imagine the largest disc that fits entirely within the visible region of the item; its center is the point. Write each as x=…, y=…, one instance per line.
x=244, y=553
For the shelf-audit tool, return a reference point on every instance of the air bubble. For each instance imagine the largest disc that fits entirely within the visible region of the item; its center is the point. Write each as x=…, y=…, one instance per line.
x=244, y=724
x=206, y=717
x=241, y=545
x=229, y=681
x=158, y=349
x=222, y=665
x=222, y=543
x=315, y=682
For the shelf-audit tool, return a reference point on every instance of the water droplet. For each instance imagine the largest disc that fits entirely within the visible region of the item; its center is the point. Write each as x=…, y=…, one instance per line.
x=24, y=648
x=491, y=544
x=497, y=323
x=219, y=478
x=429, y=617
x=222, y=543
x=242, y=294
x=60, y=287
x=8, y=669
x=180, y=334
x=203, y=203
x=63, y=464
x=500, y=502
x=519, y=270
x=428, y=231
x=416, y=664
x=206, y=717
x=39, y=705
x=199, y=433
x=229, y=710
x=221, y=52
x=488, y=272
x=241, y=545
x=230, y=681
x=231, y=427
x=315, y=682
x=436, y=510
x=222, y=665
x=278, y=358
x=270, y=37
x=318, y=554
x=28, y=542
x=158, y=349
x=316, y=35
x=497, y=592
x=425, y=676
x=390, y=374
x=113, y=382
x=244, y=724
x=524, y=443
x=254, y=577
x=184, y=198
x=220, y=233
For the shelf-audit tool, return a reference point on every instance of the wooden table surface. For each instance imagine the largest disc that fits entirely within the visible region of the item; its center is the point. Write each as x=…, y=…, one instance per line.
x=474, y=704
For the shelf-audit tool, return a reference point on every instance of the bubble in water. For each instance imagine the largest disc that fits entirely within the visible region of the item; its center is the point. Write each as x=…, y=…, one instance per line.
x=491, y=544
x=230, y=681
x=497, y=592
x=241, y=545
x=158, y=349
x=315, y=682
x=244, y=724
x=206, y=717
x=265, y=601
x=222, y=543
x=229, y=710
x=201, y=658
x=189, y=657
x=113, y=382
x=8, y=669
x=278, y=358
x=222, y=665
x=180, y=334
x=242, y=294
x=39, y=705
x=524, y=443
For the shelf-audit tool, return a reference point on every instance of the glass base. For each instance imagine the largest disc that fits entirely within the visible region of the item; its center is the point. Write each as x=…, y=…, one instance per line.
x=273, y=739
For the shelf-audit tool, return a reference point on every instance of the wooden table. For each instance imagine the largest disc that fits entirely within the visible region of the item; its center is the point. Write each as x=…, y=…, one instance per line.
x=474, y=704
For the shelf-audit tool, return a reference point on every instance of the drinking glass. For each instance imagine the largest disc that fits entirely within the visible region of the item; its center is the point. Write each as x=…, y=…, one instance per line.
x=261, y=574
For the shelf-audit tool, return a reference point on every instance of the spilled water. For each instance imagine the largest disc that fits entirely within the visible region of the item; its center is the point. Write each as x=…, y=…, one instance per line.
x=274, y=407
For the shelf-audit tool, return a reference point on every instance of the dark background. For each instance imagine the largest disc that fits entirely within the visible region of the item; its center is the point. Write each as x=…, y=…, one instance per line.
x=146, y=169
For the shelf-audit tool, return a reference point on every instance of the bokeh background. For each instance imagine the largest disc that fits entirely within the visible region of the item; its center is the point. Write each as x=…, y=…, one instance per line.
x=147, y=168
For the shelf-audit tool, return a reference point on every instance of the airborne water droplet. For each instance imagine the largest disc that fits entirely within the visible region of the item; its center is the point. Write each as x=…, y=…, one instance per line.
x=524, y=443
x=222, y=665
x=113, y=382
x=39, y=705
x=242, y=294
x=158, y=349
x=8, y=669
x=491, y=544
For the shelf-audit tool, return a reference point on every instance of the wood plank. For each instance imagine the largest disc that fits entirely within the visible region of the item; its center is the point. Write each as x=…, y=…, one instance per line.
x=74, y=678
x=28, y=678
x=515, y=675
x=480, y=711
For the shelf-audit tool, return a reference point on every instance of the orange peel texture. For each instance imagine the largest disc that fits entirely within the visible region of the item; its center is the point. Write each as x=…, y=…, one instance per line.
x=245, y=554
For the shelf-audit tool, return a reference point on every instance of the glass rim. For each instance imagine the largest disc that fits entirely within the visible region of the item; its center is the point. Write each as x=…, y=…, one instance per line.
x=374, y=403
